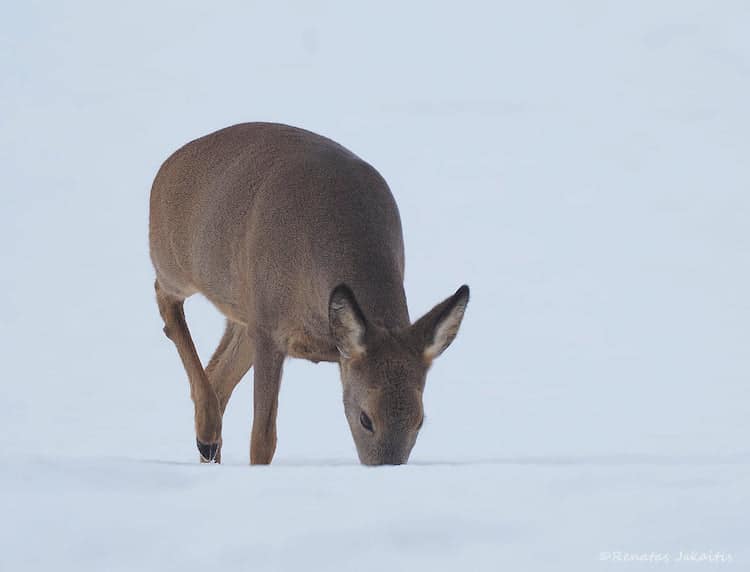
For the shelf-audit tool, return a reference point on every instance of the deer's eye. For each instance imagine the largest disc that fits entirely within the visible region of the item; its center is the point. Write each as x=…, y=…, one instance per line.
x=365, y=421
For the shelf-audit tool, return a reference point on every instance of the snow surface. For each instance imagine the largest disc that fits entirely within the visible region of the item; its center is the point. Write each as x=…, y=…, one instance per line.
x=516, y=514
x=582, y=165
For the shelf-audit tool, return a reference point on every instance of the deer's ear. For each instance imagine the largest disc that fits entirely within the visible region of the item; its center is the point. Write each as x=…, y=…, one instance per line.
x=438, y=328
x=347, y=322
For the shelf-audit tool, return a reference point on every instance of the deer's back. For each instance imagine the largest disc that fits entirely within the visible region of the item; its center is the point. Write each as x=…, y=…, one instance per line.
x=265, y=219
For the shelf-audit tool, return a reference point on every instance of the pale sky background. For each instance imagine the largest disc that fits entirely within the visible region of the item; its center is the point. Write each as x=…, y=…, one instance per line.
x=584, y=169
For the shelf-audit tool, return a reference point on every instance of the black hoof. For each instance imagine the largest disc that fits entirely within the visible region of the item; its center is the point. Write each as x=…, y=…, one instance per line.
x=207, y=451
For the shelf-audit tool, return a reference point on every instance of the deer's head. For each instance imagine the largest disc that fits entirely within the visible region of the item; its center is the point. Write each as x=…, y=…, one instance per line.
x=383, y=372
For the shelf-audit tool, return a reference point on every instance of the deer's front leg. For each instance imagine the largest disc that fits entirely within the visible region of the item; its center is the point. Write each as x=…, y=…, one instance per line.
x=267, y=379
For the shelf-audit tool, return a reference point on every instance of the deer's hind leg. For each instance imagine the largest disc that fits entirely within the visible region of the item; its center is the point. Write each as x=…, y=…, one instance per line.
x=207, y=412
x=230, y=362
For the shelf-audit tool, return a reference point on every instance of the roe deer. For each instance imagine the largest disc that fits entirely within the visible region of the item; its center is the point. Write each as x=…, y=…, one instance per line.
x=297, y=241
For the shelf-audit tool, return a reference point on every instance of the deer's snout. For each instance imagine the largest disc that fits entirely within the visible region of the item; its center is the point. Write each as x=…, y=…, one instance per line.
x=385, y=461
x=393, y=451
x=395, y=460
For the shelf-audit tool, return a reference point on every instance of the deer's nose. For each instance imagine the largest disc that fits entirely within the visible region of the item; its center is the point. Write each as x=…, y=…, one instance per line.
x=394, y=456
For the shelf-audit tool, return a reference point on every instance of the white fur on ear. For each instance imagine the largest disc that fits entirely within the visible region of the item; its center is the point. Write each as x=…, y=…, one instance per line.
x=347, y=322
x=442, y=323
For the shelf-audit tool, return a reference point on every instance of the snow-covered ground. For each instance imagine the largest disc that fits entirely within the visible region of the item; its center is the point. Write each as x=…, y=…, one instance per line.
x=530, y=513
x=582, y=165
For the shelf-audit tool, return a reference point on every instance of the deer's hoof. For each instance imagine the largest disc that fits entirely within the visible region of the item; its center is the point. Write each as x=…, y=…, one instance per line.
x=208, y=451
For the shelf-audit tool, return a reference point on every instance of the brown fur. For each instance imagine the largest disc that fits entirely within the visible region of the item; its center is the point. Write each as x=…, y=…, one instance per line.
x=297, y=241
